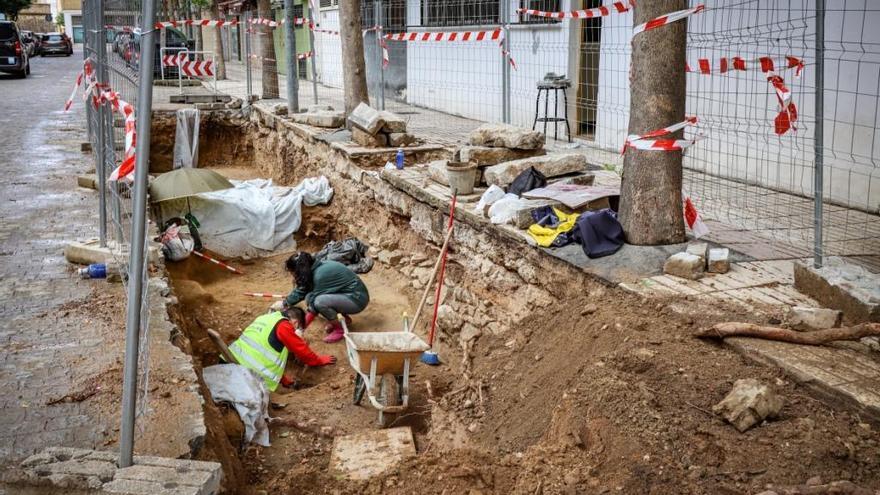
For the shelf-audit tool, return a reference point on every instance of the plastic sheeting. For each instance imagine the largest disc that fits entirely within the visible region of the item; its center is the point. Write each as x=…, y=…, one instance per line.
x=247, y=393
x=254, y=218
x=186, y=139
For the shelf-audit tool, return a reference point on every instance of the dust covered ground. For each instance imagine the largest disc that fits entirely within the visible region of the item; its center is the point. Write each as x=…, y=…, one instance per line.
x=601, y=392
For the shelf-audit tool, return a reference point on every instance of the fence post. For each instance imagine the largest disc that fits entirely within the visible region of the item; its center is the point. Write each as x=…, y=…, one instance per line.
x=292, y=69
x=505, y=62
x=819, y=134
x=105, y=119
x=377, y=15
x=249, y=83
x=314, y=52
x=137, y=250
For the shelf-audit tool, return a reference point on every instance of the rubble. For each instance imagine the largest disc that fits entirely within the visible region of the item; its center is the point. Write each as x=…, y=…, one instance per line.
x=484, y=156
x=748, y=403
x=506, y=136
x=804, y=318
x=397, y=139
x=364, y=138
x=391, y=122
x=378, y=128
x=719, y=260
x=684, y=265
x=554, y=165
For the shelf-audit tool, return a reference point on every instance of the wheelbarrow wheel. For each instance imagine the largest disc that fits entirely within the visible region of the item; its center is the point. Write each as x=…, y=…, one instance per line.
x=359, y=388
x=389, y=396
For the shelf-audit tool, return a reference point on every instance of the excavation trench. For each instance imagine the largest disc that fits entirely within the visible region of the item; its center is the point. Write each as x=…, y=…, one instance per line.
x=553, y=382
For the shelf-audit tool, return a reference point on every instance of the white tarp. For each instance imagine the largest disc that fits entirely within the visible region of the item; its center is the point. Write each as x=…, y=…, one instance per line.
x=247, y=393
x=252, y=219
x=186, y=139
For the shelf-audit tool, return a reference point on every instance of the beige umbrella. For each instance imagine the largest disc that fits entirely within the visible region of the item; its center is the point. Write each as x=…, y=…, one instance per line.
x=186, y=182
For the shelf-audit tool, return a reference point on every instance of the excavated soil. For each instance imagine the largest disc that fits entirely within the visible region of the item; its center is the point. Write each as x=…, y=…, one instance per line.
x=599, y=391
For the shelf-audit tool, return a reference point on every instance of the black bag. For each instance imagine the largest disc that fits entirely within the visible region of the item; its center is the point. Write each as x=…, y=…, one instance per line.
x=526, y=181
x=599, y=233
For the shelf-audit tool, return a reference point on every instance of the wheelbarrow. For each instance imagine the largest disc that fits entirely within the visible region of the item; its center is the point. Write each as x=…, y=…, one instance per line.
x=382, y=362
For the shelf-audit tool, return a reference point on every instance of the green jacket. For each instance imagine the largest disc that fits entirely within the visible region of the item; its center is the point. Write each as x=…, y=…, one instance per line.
x=331, y=277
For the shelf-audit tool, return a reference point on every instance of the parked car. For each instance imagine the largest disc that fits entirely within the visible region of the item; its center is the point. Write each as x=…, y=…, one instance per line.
x=174, y=38
x=56, y=43
x=27, y=38
x=13, y=54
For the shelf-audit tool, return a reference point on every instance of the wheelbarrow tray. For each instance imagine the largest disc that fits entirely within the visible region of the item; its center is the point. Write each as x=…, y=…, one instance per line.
x=390, y=349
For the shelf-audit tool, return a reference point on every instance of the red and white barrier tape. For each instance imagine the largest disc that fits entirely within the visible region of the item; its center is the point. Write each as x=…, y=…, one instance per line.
x=506, y=53
x=618, y=7
x=788, y=114
x=693, y=219
x=218, y=262
x=493, y=35
x=668, y=19
x=649, y=142
x=303, y=56
x=325, y=31
x=197, y=22
x=297, y=21
x=265, y=295
x=764, y=64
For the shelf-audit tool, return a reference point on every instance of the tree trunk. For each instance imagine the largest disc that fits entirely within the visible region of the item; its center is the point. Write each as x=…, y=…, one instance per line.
x=220, y=69
x=651, y=211
x=354, y=69
x=267, y=51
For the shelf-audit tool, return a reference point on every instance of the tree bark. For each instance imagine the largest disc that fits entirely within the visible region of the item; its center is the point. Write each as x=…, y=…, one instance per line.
x=816, y=337
x=354, y=69
x=267, y=51
x=651, y=211
x=220, y=68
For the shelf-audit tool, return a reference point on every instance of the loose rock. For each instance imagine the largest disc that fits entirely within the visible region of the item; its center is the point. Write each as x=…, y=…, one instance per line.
x=804, y=318
x=748, y=403
x=719, y=260
x=506, y=136
x=684, y=265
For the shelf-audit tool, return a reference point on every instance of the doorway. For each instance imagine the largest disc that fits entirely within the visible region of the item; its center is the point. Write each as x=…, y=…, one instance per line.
x=590, y=35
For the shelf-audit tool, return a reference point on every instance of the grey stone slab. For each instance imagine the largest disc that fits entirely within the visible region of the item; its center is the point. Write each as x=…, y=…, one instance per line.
x=366, y=118
x=841, y=285
x=484, y=156
x=506, y=136
x=553, y=165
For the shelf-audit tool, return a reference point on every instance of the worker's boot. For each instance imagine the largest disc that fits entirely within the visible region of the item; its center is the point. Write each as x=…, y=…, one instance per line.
x=336, y=332
x=310, y=317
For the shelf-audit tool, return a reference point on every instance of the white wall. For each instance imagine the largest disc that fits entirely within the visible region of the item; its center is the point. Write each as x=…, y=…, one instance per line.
x=328, y=49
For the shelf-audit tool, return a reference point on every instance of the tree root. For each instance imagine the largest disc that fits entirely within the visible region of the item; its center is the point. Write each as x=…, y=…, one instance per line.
x=816, y=337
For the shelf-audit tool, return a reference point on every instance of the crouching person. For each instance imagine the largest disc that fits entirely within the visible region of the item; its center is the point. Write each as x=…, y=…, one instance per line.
x=267, y=342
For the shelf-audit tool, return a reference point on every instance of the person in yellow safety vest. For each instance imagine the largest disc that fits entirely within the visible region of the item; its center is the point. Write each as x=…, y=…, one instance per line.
x=266, y=343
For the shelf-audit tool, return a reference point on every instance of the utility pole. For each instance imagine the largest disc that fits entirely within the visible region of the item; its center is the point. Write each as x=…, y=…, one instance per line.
x=354, y=69
x=651, y=211
x=292, y=72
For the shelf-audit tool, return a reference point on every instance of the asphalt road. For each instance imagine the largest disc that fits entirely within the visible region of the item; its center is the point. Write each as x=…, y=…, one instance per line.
x=47, y=347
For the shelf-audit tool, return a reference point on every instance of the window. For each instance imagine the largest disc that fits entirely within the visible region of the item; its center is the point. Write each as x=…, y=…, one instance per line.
x=393, y=16
x=438, y=13
x=545, y=5
x=298, y=14
x=326, y=4
x=302, y=68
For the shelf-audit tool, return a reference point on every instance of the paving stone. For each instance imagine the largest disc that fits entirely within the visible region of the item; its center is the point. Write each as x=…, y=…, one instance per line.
x=366, y=118
x=320, y=118
x=89, y=181
x=841, y=285
x=684, y=265
x=392, y=123
x=364, y=138
x=700, y=249
x=803, y=318
x=484, y=156
x=506, y=136
x=719, y=260
x=397, y=139
x=553, y=165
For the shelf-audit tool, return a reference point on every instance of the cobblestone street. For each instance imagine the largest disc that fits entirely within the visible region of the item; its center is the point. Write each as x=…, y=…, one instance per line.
x=42, y=209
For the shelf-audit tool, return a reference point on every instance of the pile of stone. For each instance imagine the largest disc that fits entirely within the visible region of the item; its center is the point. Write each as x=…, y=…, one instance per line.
x=502, y=151
x=378, y=128
x=696, y=260
x=320, y=116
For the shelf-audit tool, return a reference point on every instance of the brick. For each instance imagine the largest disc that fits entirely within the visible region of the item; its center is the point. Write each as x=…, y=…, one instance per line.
x=719, y=260
x=684, y=265
x=89, y=181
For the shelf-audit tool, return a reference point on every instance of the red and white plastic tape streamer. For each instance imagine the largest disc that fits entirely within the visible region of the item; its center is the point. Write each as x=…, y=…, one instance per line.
x=764, y=64
x=693, y=219
x=493, y=35
x=787, y=115
x=506, y=53
x=303, y=56
x=197, y=22
x=649, y=141
x=87, y=69
x=265, y=295
x=297, y=21
x=173, y=59
x=325, y=31
x=126, y=168
x=218, y=262
x=616, y=7
x=382, y=44
x=199, y=68
x=668, y=19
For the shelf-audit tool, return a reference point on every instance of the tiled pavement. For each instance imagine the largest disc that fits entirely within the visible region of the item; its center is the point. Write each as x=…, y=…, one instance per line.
x=40, y=210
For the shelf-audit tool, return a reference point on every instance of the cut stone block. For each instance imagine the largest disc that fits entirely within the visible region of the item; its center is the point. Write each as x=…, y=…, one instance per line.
x=89, y=181
x=392, y=122
x=318, y=107
x=364, y=138
x=719, y=260
x=400, y=139
x=90, y=251
x=748, y=403
x=484, y=156
x=684, y=265
x=700, y=249
x=841, y=285
x=366, y=118
x=804, y=318
x=366, y=454
x=320, y=118
x=503, y=174
x=437, y=172
x=506, y=136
